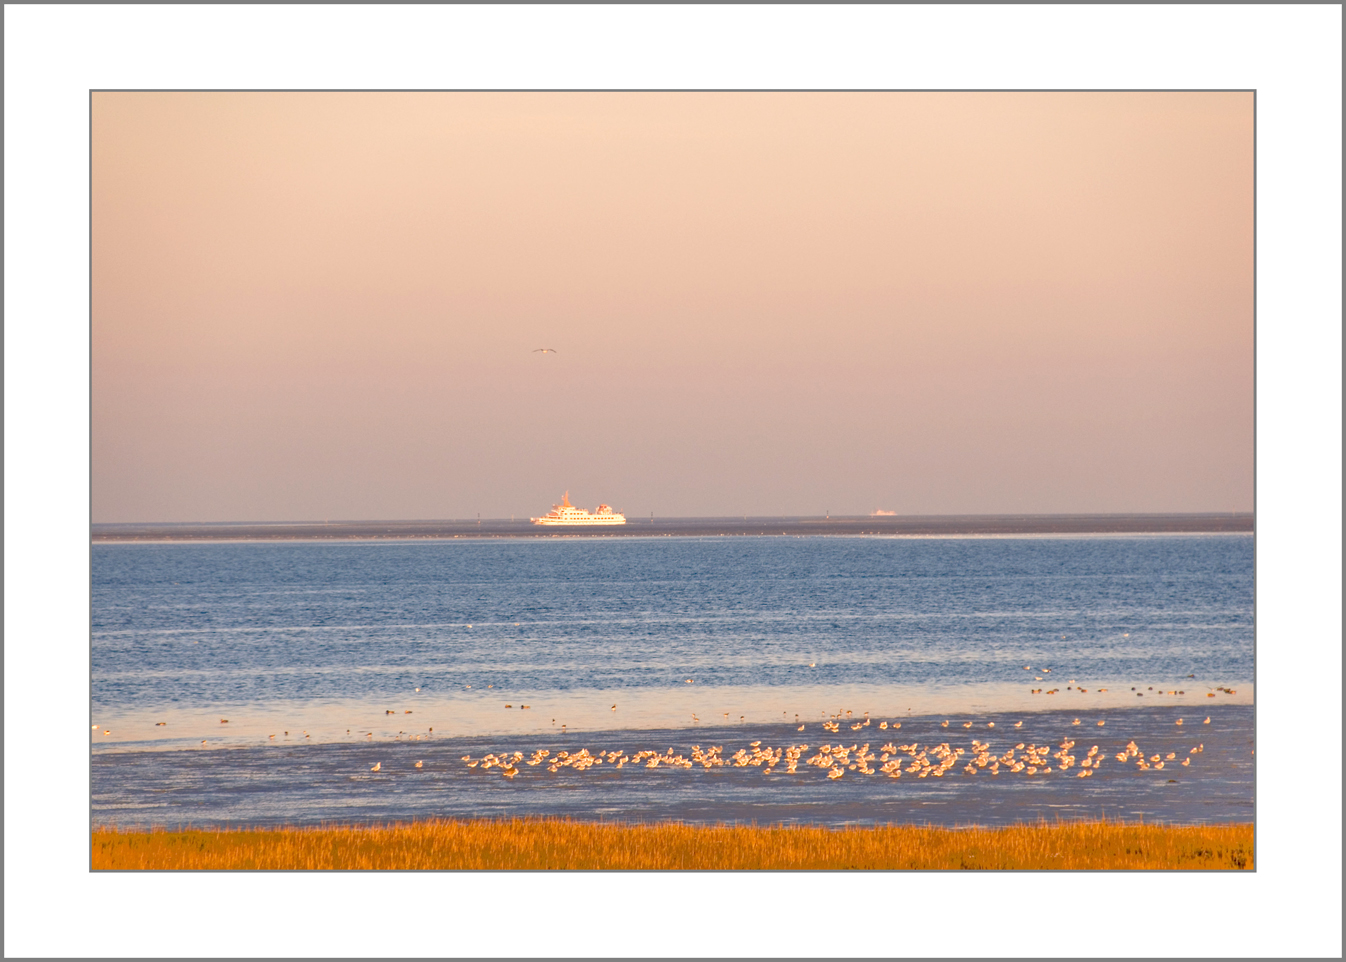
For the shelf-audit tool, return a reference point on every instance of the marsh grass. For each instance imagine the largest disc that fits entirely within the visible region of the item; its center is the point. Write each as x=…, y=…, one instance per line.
x=564, y=844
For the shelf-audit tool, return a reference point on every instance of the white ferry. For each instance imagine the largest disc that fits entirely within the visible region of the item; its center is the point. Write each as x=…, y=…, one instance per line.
x=567, y=513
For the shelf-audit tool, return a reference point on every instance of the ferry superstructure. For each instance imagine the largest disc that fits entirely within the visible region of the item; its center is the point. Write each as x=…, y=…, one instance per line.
x=567, y=513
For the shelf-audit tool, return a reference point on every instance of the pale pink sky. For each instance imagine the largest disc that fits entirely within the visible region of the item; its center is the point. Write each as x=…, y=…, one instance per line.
x=312, y=306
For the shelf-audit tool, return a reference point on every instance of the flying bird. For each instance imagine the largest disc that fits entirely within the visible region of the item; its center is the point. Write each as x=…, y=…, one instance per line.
x=545, y=350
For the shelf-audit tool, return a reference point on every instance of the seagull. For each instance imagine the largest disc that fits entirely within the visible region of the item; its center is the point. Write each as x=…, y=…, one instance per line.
x=377, y=766
x=544, y=350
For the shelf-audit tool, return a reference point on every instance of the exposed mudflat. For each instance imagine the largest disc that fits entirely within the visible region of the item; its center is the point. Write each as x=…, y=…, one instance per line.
x=333, y=783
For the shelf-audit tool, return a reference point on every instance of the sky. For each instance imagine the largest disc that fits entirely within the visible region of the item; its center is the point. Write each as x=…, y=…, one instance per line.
x=328, y=306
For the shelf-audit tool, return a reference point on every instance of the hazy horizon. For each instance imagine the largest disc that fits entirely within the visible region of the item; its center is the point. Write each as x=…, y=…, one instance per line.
x=328, y=306
x=636, y=519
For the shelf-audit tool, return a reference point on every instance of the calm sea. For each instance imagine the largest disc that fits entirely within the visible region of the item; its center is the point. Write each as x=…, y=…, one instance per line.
x=241, y=661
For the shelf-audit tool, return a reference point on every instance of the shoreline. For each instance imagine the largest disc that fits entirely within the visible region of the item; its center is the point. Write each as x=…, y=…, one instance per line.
x=713, y=731
x=869, y=526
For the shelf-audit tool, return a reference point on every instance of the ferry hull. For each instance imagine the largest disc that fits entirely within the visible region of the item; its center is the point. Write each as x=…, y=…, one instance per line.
x=586, y=523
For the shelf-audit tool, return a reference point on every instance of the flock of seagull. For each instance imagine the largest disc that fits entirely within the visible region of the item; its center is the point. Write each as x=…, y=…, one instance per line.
x=1072, y=685
x=836, y=761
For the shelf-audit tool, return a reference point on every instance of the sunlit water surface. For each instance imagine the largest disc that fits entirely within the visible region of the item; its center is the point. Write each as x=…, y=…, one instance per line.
x=434, y=648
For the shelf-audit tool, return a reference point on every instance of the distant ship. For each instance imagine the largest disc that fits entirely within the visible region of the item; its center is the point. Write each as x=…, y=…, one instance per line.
x=567, y=513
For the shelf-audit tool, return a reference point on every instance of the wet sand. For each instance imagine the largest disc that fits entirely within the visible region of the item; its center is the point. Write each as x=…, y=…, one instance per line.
x=334, y=784
x=482, y=713
x=912, y=526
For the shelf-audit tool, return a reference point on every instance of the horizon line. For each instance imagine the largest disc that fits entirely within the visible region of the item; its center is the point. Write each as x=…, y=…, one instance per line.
x=731, y=518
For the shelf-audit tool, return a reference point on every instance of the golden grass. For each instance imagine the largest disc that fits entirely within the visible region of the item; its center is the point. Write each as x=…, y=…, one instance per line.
x=563, y=844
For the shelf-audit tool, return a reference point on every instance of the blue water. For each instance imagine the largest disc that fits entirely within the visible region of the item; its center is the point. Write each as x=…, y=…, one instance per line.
x=345, y=647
